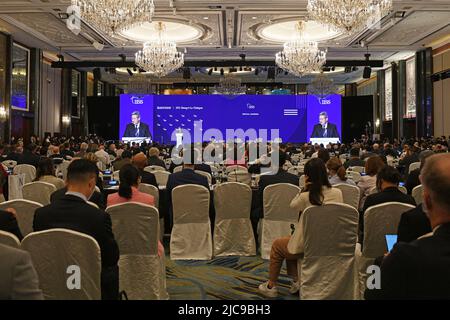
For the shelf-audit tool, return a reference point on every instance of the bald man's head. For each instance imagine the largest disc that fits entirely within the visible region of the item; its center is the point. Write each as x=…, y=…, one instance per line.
x=435, y=178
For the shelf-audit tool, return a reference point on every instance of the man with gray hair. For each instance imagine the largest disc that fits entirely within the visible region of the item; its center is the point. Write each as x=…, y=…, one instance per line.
x=137, y=129
x=419, y=270
x=325, y=129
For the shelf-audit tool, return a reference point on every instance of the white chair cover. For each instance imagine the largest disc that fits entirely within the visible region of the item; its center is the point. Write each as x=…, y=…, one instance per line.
x=25, y=213
x=153, y=191
x=351, y=194
x=161, y=177
x=358, y=169
x=5, y=167
x=233, y=233
x=205, y=174
x=177, y=169
x=278, y=215
x=302, y=181
x=417, y=194
x=9, y=239
x=116, y=176
x=240, y=176
x=28, y=170
x=15, y=184
x=328, y=268
x=10, y=163
x=53, y=251
x=354, y=175
x=379, y=221
x=403, y=189
x=235, y=168
x=191, y=233
x=142, y=271
x=38, y=192
x=294, y=170
x=61, y=170
x=414, y=166
x=152, y=169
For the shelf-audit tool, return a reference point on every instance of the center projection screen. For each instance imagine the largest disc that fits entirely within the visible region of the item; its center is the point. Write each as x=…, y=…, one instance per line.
x=297, y=117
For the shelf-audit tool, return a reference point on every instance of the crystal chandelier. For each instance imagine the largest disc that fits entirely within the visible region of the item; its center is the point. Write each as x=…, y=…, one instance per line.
x=139, y=84
x=230, y=85
x=299, y=56
x=113, y=16
x=322, y=86
x=349, y=15
x=159, y=56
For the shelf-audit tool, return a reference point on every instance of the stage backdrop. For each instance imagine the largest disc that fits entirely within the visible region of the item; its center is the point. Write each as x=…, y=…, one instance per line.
x=294, y=116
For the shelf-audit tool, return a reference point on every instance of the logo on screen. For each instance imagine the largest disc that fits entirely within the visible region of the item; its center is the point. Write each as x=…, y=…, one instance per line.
x=137, y=100
x=325, y=101
x=251, y=106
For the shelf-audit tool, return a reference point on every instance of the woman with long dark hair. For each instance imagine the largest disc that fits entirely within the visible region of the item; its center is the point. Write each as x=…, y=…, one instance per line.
x=45, y=172
x=317, y=191
x=337, y=172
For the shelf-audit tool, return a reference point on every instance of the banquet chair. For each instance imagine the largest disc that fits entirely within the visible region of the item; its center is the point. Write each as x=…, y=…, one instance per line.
x=236, y=168
x=302, y=181
x=153, y=191
x=38, y=191
x=191, y=237
x=206, y=174
x=240, y=176
x=9, y=239
x=142, y=272
x=351, y=194
x=116, y=175
x=278, y=215
x=233, y=233
x=417, y=194
x=177, y=169
x=152, y=169
x=161, y=177
x=354, y=175
x=54, y=251
x=379, y=221
x=414, y=166
x=28, y=170
x=294, y=170
x=10, y=163
x=329, y=261
x=25, y=210
x=403, y=189
x=358, y=169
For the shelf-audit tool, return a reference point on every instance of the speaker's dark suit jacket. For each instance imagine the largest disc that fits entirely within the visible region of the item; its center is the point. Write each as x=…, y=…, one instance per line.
x=318, y=131
x=72, y=212
x=144, y=131
x=417, y=270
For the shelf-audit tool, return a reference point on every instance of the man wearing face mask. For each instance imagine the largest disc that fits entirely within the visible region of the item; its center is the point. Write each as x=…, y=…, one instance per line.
x=72, y=211
x=419, y=270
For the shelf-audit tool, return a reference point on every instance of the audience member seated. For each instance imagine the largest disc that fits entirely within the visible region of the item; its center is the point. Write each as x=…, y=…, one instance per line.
x=409, y=156
x=83, y=150
x=54, y=152
x=388, y=151
x=18, y=278
x=355, y=160
x=112, y=150
x=413, y=178
x=413, y=225
x=419, y=270
x=337, y=173
x=8, y=222
x=46, y=173
x=103, y=156
x=153, y=158
x=369, y=181
x=73, y=212
x=324, y=155
x=66, y=152
x=140, y=161
x=29, y=156
x=317, y=191
x=128, y=192
x=124, y=159
x=15, y=154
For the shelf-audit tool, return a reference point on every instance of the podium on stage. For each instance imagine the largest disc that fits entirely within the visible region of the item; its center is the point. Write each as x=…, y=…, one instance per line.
x=136, y=140
x=324, y=141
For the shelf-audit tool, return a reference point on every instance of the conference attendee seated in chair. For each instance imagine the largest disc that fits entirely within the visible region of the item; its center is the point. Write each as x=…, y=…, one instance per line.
x=419, y=270
x=18, y=278
x=125, y=158
x=73, y=212
x=413, y=225
x=128, y=192
x=8, y=222
x=318, y=191
x=140, y=161
x=355, y=160
x=29, y=156
x=337, y=173
x=388, y=179
x=15, y=154
x=413, y=178
x=66, y=152
x=153, y=158
x=46, y=173
x=369, y=181
x=325, y=129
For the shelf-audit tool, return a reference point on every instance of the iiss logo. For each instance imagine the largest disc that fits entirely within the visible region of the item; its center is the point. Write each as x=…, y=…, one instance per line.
x=137, y=100
x=251, y=106
x=325, y=101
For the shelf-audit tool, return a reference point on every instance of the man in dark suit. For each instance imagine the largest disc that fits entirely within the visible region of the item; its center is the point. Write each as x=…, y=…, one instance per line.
x=29, y=156
x=153, y=158
x=325, y=129
x=413, y=178
x=413, y=224
x=8, y=222
x=140, y=162
x=73, y=212
x=278, y=176
x=96, y=197
x=137, y=128
x=419, y=270
x=355, y=160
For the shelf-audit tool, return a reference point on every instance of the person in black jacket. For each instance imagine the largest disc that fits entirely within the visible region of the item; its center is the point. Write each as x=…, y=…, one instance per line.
x=413, y=177
x=73, y=212
x=413, y=224
x=29, y=156
x=419, y=270
x=140, y=162
x=8, y=222
x=355, y=160
x=153, y=158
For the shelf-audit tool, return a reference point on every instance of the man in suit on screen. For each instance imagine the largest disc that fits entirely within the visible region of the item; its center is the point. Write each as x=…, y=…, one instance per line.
x=324, y=129
x=137, y=129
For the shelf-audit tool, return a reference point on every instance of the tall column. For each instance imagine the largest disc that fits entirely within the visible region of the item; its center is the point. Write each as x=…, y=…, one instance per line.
x=424, y=112
x=35, y=86
x=66, y=102
x=5, y=91
x=395, y=101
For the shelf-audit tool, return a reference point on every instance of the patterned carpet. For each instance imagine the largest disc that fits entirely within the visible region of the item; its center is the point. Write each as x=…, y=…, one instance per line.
x=228, y=278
